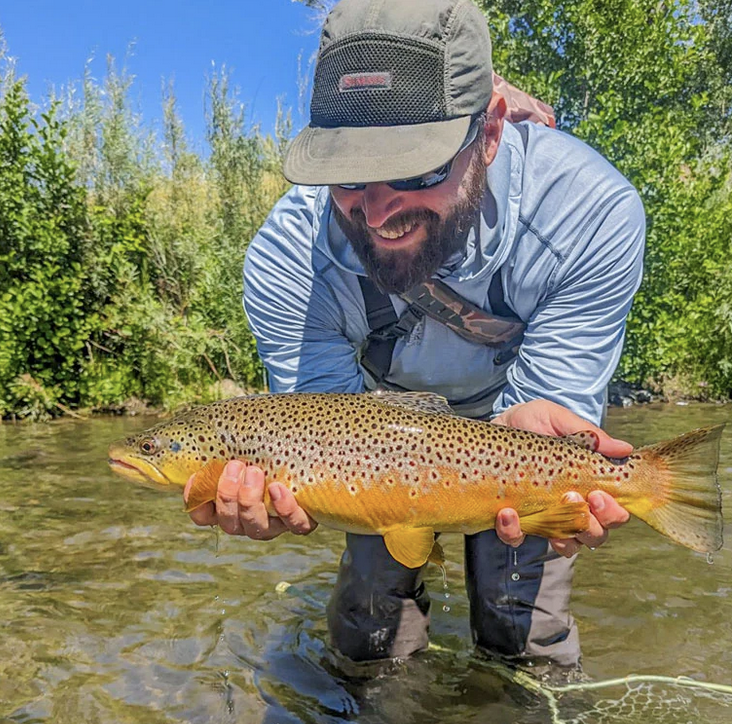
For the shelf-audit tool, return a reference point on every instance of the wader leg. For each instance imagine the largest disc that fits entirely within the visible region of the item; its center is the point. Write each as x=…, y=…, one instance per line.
x=379, y=608
x=519, y=599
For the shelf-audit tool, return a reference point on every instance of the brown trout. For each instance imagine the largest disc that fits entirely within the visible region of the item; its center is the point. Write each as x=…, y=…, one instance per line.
x=404, y=465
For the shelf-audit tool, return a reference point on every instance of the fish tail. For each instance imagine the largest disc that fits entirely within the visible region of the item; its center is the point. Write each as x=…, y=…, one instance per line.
x=686, y=502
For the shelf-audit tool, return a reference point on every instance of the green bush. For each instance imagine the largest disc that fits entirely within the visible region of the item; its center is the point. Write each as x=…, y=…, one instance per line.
x=120, y=269
x=121, y=252
x=648, y=85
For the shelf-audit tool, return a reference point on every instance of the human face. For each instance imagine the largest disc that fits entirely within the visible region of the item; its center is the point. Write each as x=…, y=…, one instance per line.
x=403, y=237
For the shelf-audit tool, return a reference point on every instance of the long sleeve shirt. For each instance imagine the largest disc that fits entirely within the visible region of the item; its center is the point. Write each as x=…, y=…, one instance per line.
x=563, y=228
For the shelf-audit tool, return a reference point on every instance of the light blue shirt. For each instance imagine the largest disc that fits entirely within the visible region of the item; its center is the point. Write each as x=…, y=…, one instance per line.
x=563, y=228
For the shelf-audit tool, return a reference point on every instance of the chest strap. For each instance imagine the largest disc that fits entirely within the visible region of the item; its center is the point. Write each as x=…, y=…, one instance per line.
x=502, y=331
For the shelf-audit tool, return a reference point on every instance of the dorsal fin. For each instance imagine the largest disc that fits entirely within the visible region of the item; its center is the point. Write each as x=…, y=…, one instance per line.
x=417, y=401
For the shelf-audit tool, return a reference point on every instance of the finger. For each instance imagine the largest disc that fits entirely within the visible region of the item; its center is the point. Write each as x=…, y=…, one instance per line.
x=292, y=515
x=566, y=547
x=505, y=417
x=610, y=446
x=508, y=527
x=204, y=514
x=253, y=516
x=607, y=510
x=227, y=497
x=604, y=444
x=594, y=536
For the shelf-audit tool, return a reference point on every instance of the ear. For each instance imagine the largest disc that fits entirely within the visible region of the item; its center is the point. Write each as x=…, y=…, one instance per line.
x=494, y=127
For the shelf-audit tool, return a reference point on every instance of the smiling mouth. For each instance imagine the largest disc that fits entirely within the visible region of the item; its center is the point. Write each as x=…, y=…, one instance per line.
x=396, y=232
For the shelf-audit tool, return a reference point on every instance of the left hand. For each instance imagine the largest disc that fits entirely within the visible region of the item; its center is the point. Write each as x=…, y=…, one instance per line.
x=549, y=418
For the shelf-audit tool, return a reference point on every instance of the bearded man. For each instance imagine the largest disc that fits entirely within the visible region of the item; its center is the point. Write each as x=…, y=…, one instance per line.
x=409, y=177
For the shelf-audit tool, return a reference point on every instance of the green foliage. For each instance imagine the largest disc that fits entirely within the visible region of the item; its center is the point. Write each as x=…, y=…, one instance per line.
x=45, y=315
x=121, y=253
x=120, y=269
x=647, y=83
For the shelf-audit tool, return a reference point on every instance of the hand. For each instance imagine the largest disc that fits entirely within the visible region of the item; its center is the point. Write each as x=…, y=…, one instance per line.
x=549, y=418
x=239, y=507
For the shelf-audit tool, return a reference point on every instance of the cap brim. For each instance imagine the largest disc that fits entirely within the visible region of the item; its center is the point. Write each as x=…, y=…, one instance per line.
x=346, y=155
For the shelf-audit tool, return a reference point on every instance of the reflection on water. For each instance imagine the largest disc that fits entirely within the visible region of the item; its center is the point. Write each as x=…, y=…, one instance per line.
x=115, y=608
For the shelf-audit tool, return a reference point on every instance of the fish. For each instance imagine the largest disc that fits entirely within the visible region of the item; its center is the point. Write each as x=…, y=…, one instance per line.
x=404, y=466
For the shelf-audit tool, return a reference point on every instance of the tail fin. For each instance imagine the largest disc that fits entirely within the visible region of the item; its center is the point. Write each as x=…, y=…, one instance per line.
x=692, y=511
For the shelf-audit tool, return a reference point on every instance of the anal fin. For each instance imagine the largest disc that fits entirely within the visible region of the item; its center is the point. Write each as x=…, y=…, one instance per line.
x=437, y=555
x=412, y=547
x=561, y=520
x=205, y=484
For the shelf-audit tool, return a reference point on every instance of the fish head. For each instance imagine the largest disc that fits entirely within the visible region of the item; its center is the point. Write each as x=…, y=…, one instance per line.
x=164, y=455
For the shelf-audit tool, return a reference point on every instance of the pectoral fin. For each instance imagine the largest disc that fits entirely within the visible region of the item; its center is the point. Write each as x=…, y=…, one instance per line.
x=411, y=547
x=205, y=484
x=562, y=520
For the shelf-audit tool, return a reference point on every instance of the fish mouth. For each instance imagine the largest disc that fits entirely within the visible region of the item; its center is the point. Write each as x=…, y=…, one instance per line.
x=141, y=471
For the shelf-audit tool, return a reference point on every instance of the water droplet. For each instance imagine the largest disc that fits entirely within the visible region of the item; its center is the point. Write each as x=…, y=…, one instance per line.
x=447, y=595
x=710, y=559
x=446, y=609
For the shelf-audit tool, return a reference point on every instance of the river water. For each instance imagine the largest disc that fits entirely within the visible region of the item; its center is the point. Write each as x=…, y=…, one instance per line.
x=114, y=608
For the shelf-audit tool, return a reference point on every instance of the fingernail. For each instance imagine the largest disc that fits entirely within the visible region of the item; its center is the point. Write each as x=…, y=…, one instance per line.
x=275, y=492
x=234, y=469
x=505, y=518
x=572, y=497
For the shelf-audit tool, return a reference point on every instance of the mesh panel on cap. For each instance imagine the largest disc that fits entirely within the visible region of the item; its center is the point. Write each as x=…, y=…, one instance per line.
x=416, y=92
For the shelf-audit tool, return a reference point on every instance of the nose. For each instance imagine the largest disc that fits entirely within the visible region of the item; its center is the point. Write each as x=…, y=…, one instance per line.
x=380, y=201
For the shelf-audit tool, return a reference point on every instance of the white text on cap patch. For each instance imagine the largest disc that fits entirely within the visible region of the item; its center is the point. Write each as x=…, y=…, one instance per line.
x=364, y=81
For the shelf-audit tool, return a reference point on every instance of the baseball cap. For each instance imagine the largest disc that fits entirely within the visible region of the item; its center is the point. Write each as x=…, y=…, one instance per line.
x=396, y=83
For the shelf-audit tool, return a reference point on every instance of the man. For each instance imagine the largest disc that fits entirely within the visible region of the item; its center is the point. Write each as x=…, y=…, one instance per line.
x=410, y=174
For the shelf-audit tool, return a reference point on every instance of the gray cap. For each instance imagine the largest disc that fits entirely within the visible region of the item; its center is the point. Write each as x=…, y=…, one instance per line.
x=396, y=83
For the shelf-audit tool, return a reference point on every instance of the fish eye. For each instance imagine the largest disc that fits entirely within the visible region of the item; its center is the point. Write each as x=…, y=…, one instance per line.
x=148, y=446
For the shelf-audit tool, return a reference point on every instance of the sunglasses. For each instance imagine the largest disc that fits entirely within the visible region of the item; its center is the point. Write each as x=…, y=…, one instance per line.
x=431, y=178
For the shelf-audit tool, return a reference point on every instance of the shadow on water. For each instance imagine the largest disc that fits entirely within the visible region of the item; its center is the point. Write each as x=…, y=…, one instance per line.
x=115, y=608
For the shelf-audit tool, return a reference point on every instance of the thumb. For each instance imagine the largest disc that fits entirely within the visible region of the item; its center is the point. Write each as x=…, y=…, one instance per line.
x=611, y=447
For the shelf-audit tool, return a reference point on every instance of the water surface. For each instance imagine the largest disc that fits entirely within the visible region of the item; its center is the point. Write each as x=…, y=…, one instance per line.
x=115, y=608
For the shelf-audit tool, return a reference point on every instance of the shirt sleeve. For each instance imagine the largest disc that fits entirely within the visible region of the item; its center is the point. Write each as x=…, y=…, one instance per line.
x=574, y=338
x=292, y=311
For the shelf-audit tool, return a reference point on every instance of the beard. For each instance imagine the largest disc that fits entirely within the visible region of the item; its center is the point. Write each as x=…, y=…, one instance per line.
x=396, y=271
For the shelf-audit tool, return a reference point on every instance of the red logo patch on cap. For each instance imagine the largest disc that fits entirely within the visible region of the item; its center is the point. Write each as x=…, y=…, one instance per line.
x=364, y=81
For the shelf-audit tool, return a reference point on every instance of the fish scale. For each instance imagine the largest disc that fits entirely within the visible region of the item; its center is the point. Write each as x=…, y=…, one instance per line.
x=403, y=465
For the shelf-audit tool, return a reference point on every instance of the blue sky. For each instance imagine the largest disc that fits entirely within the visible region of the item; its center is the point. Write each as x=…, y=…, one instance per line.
x=257, y=40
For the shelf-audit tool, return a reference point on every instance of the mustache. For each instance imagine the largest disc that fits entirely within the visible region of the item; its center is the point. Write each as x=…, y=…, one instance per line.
x=396, y=222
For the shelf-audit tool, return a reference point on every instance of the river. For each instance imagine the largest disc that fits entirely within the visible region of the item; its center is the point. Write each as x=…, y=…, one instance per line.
x=115, y=608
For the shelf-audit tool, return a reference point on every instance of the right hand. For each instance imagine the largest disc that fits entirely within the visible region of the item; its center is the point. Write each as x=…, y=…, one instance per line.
x=239, y=506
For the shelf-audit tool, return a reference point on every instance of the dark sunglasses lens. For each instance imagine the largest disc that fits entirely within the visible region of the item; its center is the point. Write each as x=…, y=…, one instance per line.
x=422, y=182
x=416, y=183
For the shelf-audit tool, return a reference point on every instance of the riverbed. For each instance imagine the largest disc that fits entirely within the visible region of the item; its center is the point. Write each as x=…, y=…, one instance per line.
x=115, y=608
